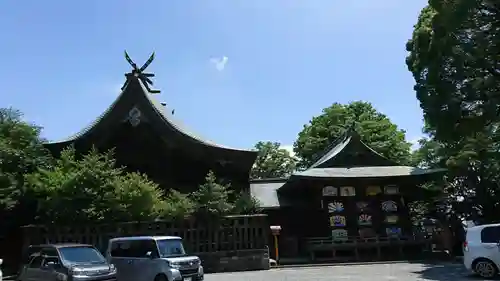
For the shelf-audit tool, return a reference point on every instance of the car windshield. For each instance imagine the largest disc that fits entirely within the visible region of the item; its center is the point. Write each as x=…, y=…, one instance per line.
x=170, y=248
x=75, y=255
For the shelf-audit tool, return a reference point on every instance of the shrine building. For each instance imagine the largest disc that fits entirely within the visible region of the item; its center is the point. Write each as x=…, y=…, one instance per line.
x=350, y=204
x=147, y=137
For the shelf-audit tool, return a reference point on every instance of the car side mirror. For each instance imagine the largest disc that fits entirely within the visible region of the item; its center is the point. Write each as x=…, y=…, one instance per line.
x=150, y=255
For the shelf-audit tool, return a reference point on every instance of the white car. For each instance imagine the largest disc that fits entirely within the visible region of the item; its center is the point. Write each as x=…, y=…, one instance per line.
x=482, y=250
x=153, y=258
x=1, y=261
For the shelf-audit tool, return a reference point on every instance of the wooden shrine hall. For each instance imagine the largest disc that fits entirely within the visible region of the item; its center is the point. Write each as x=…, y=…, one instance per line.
x=147, y=137
x=351, y=204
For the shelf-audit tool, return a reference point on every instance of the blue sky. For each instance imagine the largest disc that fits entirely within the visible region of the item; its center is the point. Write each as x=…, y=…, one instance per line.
x=235, y=71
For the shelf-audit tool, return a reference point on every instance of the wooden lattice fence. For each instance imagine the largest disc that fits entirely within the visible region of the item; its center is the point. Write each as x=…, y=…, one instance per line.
x=228, y=237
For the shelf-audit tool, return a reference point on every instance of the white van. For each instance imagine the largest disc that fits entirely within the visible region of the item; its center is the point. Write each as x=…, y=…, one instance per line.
x=153, y=258
x=482, y=250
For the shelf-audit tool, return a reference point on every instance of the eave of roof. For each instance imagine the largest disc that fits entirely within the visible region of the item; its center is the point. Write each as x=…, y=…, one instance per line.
x=164, y=115
x=366, y=172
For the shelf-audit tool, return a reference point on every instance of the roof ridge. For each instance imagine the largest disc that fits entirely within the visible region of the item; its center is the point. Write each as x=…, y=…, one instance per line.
x=336, y=142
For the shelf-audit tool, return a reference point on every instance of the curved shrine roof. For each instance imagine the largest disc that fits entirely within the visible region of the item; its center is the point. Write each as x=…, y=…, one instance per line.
x=164, y=115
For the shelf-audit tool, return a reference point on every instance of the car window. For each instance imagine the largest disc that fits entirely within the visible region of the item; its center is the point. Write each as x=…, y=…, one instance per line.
x=36, y=262
x=171, y=248
x=51, y=252
x=81, y=254
x=490, y=234
x=28, y=254
x=134, y=248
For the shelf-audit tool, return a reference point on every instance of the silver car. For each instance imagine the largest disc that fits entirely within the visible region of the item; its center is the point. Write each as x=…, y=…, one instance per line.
x=153, y=258
x=66, y=262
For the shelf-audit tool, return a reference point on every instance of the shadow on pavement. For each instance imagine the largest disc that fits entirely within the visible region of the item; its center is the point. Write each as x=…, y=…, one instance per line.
x=446, y=272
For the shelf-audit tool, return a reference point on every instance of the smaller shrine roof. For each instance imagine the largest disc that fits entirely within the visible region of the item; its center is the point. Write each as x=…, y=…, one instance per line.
x=348, y=142
x=265, y=191
x=339, y=161
x=366, y=172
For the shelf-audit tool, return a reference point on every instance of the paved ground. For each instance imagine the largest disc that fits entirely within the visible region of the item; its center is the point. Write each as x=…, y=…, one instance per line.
x=373, y=272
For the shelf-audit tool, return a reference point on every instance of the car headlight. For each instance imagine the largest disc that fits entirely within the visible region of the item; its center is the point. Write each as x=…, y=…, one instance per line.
x=112, y=268
x=174, y=265
x=78, y=272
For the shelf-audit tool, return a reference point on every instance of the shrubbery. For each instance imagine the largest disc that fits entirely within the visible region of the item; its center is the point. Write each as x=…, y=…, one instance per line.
x=94, y=189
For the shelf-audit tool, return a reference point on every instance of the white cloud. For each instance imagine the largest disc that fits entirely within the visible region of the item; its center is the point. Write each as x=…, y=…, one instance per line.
x=219, y=62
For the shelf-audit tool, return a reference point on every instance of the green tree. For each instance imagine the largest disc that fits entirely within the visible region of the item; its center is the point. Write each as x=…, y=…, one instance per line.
x=375, y=129
x=213, y=197
x=246, y=204
x=21, y=152
x=177, y=205
x=272, y=161
x=454, y=61
x=92, y=189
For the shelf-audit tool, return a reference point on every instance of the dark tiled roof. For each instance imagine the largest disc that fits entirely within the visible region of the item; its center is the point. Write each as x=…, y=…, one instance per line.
x=165, y=115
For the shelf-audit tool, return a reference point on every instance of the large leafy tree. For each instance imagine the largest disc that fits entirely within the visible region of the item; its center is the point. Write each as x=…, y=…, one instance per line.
x=92, y=189
x=21, y=152
x=454, y=60
x=272, y=161
x=375, y=129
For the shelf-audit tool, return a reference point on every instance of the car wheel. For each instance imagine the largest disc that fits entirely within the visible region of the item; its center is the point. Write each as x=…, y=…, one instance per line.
x=485, y=268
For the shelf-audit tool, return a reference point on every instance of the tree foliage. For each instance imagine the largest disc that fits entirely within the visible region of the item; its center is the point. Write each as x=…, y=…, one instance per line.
x=375, y=129
x=212, y=197
x=178, y=205
x=21, y=152
x=272, y=161
x=455, y=63
x=246, y=204
x=92, y=189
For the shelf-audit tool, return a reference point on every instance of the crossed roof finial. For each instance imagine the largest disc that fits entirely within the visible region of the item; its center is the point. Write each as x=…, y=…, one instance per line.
x=139, y=72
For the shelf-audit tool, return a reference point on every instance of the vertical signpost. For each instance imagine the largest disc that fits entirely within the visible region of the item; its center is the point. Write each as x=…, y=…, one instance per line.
x=275, y=231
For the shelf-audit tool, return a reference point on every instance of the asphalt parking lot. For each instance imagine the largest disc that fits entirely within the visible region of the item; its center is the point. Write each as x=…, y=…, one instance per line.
x=372, y=272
